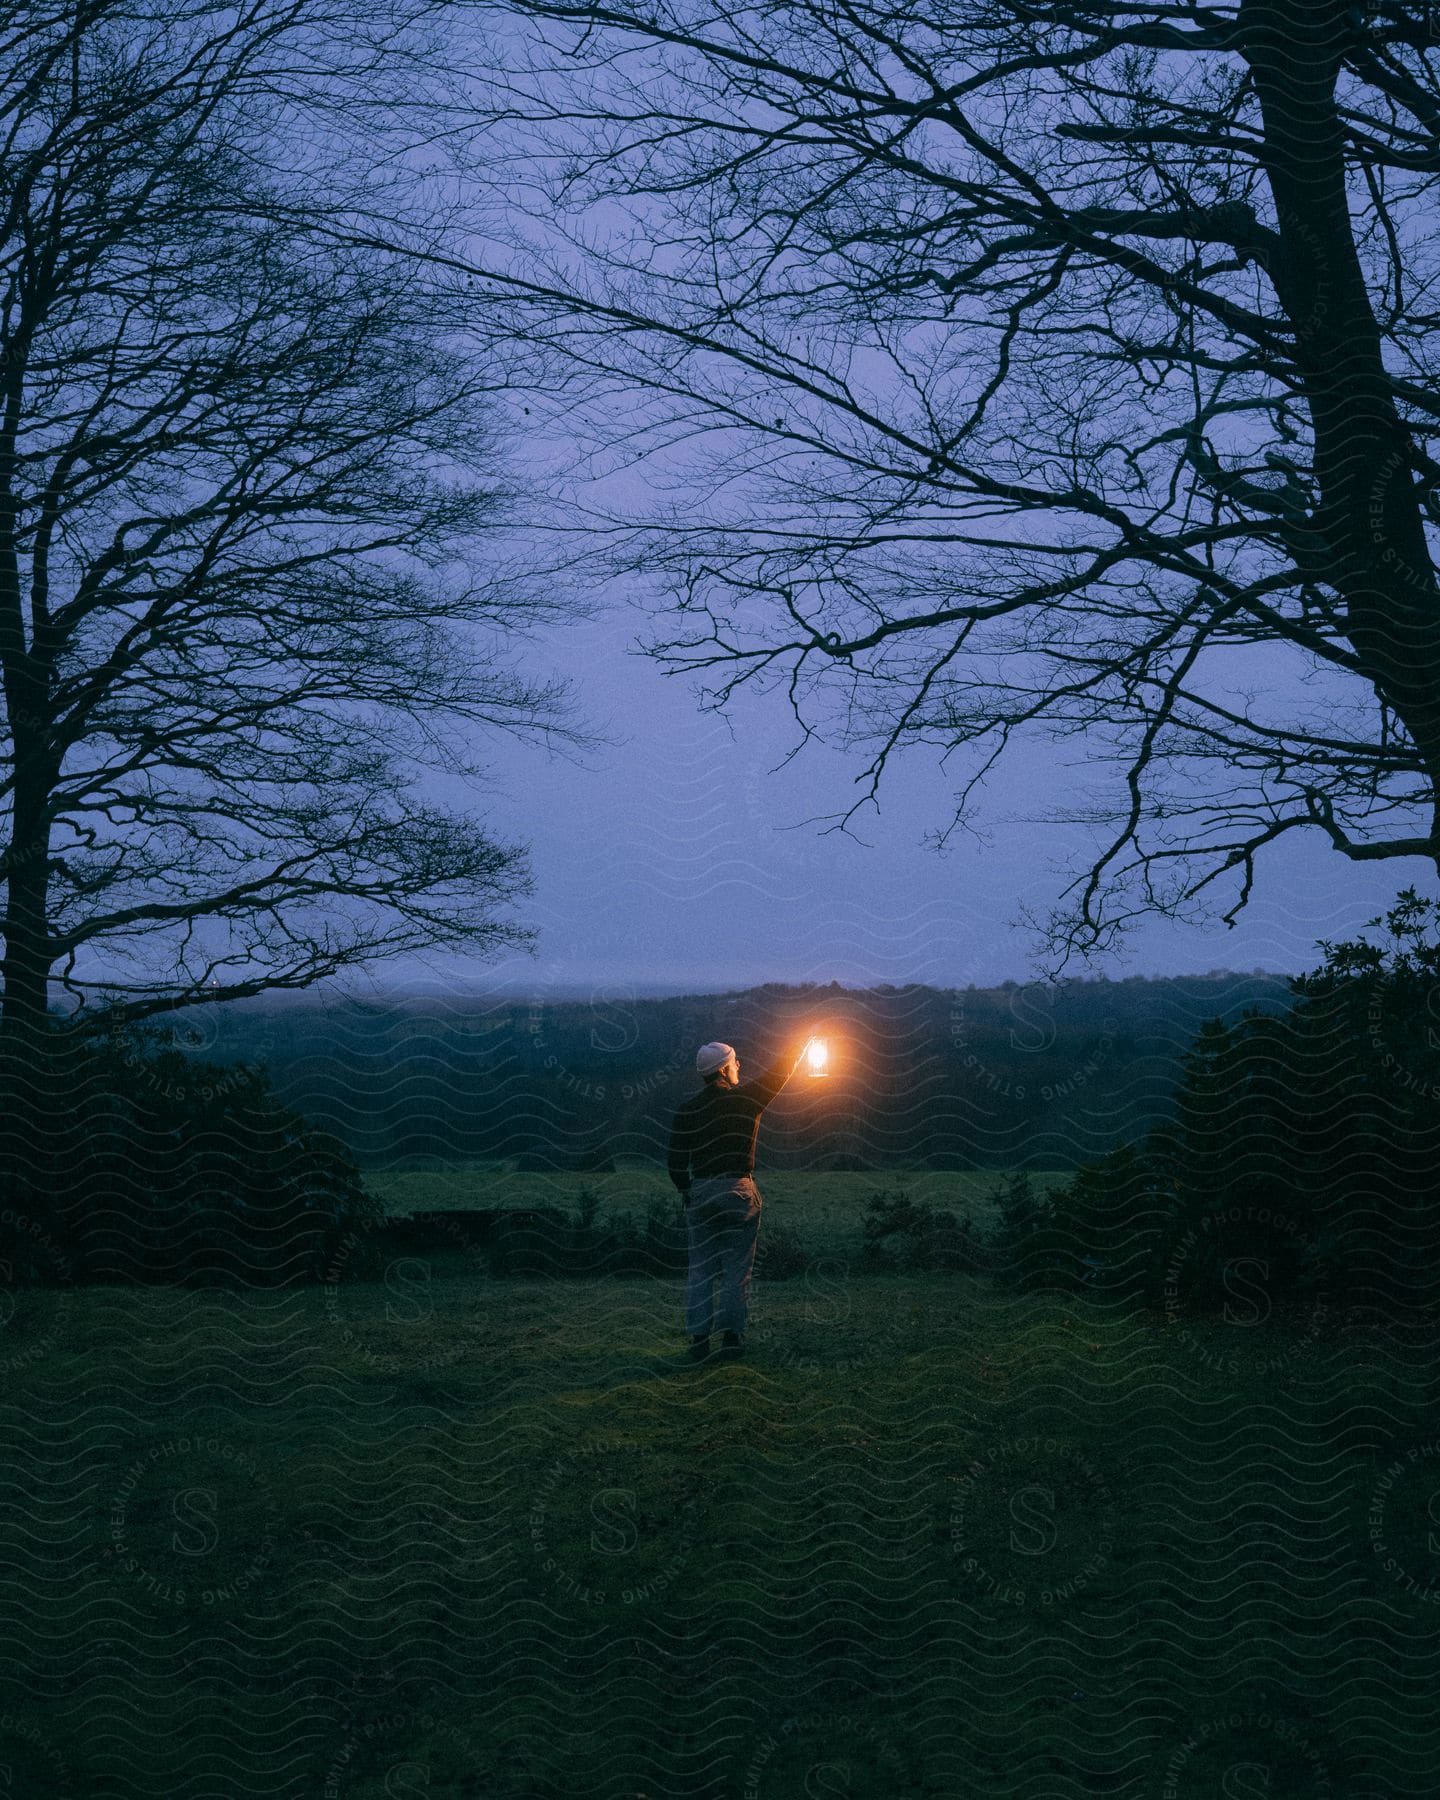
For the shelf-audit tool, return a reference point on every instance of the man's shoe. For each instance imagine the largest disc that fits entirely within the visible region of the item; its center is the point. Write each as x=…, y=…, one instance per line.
x=699, y=1349
x=732, y=1344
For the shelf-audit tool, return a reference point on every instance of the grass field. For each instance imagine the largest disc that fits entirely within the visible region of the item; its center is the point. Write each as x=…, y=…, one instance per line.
x=440, y=1535
x=826, y=1211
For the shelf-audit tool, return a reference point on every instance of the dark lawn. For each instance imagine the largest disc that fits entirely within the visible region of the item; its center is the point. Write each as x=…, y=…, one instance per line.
x=439, y=1535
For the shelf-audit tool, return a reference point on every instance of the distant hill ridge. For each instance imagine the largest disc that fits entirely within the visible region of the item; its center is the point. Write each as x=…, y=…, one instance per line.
x=1020, y=1074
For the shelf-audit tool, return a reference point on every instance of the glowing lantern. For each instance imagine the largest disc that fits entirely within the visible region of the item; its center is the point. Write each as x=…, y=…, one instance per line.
x=817, y=1055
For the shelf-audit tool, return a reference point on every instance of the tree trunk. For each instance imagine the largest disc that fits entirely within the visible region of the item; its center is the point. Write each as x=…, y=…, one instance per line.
x=26, y=959
x=25, y=964
x=1369, y=540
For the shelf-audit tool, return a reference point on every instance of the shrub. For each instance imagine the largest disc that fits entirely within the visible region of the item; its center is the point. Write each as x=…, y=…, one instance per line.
x=1301, y=1165
x=781, y=1255
x=137, y=1162
x=1026, y=1246
x=1097, y=1231
x=902, y=1233
x=537, y=1241
x=587, y=1207
x=544, y=1241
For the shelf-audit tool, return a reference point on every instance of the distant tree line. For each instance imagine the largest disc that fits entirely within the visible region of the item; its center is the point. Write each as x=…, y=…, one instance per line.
x=1020, y=1075
x=1292, y=1163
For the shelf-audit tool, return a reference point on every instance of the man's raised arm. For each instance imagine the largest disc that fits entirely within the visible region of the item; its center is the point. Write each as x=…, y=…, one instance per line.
x=763, y=1089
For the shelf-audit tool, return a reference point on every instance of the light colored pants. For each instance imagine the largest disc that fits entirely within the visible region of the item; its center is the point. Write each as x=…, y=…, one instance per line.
x=723, y=1218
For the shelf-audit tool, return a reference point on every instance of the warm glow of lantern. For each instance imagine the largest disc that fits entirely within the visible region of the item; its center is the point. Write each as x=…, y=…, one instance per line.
x=817, y=1053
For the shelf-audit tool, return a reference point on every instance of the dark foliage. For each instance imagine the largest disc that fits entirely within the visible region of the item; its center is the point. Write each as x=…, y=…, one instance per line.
x=782, y=1254
x=131, y=1161
x=901, y=1233
x=1300, y=1168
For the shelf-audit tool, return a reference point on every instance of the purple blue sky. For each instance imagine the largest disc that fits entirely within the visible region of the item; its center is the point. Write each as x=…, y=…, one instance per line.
x=678, y=857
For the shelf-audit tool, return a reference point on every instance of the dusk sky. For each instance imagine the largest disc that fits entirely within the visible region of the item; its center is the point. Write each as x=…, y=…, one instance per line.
x=665, y=859
x=678, y=856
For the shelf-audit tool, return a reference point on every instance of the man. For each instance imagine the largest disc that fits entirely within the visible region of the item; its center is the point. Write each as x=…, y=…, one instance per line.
x=712, y=1163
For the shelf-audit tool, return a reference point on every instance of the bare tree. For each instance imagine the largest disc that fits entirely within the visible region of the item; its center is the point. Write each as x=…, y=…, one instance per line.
x=1025, y=365
x=247, y=588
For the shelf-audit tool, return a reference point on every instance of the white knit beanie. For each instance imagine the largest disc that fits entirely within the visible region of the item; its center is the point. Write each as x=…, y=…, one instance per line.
x=710, y=1057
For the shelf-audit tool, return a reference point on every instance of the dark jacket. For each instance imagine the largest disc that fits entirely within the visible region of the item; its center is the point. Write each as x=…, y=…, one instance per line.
x=715, y=1130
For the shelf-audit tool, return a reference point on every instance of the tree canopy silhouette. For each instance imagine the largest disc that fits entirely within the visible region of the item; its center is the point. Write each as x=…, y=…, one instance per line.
x=250, y=577
x=1021, y=365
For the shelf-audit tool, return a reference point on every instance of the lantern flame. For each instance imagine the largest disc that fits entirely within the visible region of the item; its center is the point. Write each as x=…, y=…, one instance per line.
x=818, y=1055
